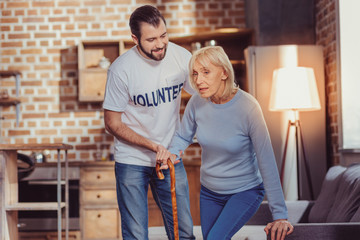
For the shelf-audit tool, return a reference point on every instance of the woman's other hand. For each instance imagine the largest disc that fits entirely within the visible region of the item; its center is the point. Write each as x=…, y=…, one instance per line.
x=279, y=228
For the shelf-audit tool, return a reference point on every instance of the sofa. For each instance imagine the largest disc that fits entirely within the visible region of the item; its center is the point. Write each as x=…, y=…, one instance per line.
x=334, y=215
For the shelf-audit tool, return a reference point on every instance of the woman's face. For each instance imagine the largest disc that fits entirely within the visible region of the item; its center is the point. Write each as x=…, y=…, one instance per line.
x=209, y=79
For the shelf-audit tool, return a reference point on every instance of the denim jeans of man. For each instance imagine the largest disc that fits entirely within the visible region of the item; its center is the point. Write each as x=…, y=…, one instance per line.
x=222, y=215
x=132, y=183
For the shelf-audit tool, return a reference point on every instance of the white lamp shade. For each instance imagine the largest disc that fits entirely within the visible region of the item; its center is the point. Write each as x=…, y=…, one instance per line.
x=294, y=88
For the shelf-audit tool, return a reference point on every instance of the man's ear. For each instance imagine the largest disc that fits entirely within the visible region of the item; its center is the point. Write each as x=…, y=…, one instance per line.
x=135, y=39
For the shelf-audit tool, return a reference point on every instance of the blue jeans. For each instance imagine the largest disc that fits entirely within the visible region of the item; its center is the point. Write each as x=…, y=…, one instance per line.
x=222, y=215
x=132, y=183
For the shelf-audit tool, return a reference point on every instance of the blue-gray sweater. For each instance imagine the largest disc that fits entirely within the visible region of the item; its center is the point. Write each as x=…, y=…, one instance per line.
x=236, y=148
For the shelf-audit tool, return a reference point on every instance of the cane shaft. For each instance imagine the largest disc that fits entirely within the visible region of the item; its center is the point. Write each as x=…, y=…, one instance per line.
x=173, y=199
x=173, y=194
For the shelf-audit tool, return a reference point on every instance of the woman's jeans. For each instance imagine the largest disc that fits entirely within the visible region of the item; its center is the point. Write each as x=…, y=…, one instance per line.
x=132, y=183
x=222, y=215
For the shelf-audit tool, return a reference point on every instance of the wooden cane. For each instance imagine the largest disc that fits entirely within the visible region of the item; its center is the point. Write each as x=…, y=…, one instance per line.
x=173, y=193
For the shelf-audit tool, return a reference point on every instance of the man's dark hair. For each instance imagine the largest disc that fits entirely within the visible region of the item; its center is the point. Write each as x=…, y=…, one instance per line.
x=147, y=14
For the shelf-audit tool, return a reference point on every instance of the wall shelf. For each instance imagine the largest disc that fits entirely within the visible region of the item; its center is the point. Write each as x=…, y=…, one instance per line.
x=92, y=78
x=11, y=100
x=34, y=206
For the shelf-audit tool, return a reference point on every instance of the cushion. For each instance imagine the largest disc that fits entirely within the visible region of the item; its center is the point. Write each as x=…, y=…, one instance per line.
x=356, y=217
x=319, y=212
x=347, y=199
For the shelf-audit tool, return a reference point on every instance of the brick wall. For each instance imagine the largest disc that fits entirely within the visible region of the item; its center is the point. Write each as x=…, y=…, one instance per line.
x=40, y=37
x=326, y=36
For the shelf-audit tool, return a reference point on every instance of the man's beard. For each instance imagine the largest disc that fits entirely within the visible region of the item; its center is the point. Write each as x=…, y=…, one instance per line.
x=150, y=54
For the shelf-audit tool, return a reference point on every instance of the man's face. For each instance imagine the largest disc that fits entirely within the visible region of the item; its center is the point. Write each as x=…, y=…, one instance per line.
x=153, y=41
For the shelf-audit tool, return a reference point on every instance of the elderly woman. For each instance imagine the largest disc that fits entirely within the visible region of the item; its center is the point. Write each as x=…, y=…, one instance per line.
x=238, y=163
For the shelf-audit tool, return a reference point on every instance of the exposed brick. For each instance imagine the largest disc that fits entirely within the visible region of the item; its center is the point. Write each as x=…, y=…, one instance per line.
x=9, y=20
x=45, y=67
x=85, y=147
x=45, y=140
x=84, y=114
x=71, y=131
x=59, y=19
x=19, y=13
x=71, y=35
x=31, y=124
x=8, y=52
x=19, y=132
x=31, y=51
x=23, y=4
x=83, y=123
x=96, y=131
x=85, y=139
x=59, y=115
x=96, y=34
x=46, y=53
x=45, y=35
x=32, y=140
x=5, y=28
x=33, y=115
x=67, y=3
x=31, y=83
x=34, y=20
x=19, y=141
x=44, y=124
x=30, y=108
x=5, y=13
x=43, y=4
x=84, y=18
x=12, y=44
x=71, y=139
x=98, y=139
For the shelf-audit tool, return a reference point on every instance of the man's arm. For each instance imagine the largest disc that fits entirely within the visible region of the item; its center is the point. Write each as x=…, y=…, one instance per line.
x=115, y=126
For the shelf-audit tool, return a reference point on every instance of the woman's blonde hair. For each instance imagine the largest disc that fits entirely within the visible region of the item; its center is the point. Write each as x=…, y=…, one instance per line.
x=216, y=56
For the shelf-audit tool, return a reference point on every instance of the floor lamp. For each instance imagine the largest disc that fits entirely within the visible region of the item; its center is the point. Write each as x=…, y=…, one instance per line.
x=294, y=89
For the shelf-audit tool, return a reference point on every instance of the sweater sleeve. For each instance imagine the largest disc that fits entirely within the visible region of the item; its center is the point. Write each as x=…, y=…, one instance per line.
x=184, y=135
x=267, y=164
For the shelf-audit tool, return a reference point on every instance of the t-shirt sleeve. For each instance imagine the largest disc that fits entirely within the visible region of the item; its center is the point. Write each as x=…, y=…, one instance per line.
x=187, y=86
x=116, y=93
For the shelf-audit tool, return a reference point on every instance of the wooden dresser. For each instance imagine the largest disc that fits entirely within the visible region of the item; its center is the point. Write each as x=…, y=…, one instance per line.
x=99, y=215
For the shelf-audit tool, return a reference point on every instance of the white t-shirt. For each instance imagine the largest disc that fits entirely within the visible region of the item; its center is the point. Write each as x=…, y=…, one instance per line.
x=148, y=92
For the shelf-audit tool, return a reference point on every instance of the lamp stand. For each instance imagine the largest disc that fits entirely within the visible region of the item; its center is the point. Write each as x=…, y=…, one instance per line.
x=298, y=134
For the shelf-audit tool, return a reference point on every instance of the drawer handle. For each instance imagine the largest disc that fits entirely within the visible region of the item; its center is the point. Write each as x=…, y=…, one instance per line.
x=98, y=176
x=99, y=215
x=98, y=196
